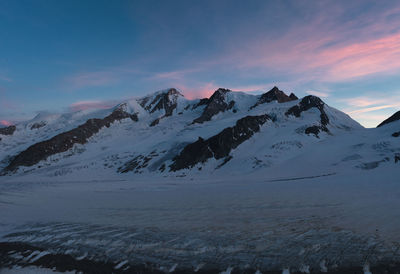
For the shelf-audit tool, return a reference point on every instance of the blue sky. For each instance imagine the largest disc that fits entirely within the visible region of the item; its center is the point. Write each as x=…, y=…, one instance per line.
x=66, y=55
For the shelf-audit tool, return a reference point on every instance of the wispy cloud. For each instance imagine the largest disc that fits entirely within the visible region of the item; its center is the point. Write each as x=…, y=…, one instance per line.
x=361, y=59
x=370, y=119
x=173, y=75
x=372, y=108
x=325, y=50
x=363, y=110
x=372, y=99
x=84, y=105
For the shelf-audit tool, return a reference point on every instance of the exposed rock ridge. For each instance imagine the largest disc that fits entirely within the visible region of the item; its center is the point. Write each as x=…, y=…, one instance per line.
x=275, y=94
x=215, y=104
x=220, y=145
x=202, y=102
x=38, y=125
x=293, y=97
x=8, y=130
x=393, y=118
x=165, y=100
x=305, y=104
x=66, y=140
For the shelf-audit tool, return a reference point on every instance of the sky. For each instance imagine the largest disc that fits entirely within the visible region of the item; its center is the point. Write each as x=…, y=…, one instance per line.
x=69, y=55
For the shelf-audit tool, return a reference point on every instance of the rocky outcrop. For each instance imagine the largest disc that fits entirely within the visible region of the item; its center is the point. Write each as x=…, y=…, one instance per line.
x=214, y=105
x=275, y=94
x=393, y=118
x=293, y=97
x=305, y=104
x=138, y=163
x=8, y=130
x=220, y=145
x=38, y=125
x=155, y=122
x=397, y=158
x=166, y=101
x=202, y=102
x=396, y=134
x=66, y=140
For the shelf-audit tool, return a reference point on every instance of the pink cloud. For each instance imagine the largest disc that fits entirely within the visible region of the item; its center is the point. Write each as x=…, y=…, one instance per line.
x=324, y=50
x=334, y=63
x=84, y=105
x=369, y=109
x=361, y=59
x=365, y=101
x=5, y=123
x=198, y=90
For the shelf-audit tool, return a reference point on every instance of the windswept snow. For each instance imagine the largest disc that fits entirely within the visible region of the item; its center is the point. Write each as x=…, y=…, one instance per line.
x=317, y=221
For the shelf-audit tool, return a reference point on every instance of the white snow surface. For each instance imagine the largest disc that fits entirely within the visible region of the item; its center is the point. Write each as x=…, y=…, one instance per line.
x=285, y=199
x=280, y=144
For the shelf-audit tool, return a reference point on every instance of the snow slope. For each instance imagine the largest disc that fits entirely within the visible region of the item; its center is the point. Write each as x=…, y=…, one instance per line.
x=306, y=189
x=148, y=146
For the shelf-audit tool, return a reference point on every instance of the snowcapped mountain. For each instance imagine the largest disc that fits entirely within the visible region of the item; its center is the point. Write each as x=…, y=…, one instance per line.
x=166, y=134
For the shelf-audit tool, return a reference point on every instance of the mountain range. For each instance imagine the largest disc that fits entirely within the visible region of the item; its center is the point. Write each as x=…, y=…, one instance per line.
x=229, y=133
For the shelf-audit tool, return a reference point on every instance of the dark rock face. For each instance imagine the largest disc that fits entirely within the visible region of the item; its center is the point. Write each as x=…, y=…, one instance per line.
x=38, y=125
x=305, y=104
x=166, y=101
x=220, y=145
x=8, y=130
x=155, y=122
x=275, y=94
x=397, y=157
x=137, y=163
x=393, y=118
x=293, y=97
x=313, y=130
x=215, y=104
x=66, y=140
x=202, y=102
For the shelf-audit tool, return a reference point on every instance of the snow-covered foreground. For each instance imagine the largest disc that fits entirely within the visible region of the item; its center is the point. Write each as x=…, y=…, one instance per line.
x=311, y=223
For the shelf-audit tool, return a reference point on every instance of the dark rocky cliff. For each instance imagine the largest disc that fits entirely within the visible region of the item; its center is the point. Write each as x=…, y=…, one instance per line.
x=66, y=140
x=220, y=145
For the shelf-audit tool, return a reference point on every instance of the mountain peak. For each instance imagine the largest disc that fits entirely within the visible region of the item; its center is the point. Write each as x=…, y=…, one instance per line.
x=223, y=90
x=275, y=94
x=164, y=99
x=215, y=104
